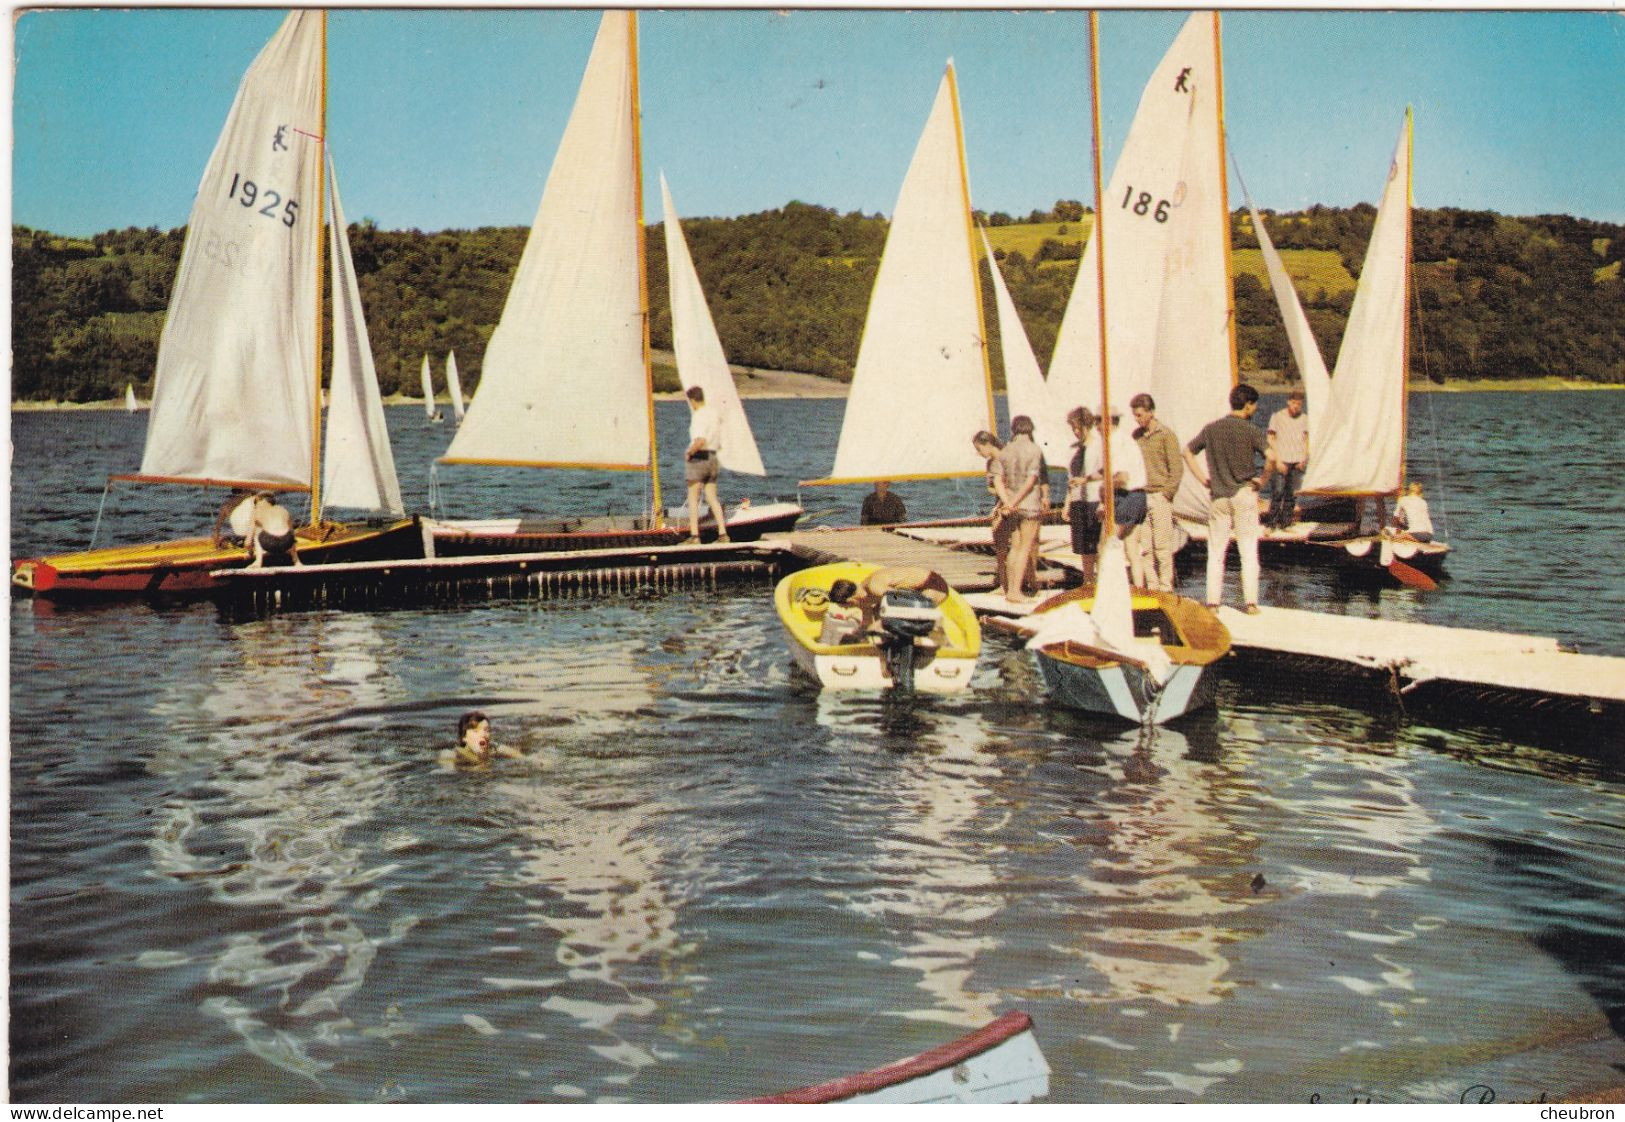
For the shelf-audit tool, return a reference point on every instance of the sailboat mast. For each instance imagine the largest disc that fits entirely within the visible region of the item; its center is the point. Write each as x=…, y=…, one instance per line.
x=321, y=258
x=1100, y=270
x=1224, y=195
x=970, y=241
x=658, y=514
x=1405, y=313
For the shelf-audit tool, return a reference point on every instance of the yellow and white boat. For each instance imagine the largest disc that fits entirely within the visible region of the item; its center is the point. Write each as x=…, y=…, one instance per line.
x=927, y=642
x=1135, y=654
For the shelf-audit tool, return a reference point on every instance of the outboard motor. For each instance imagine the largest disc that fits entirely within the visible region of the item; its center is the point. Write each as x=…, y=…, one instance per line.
x=906, y=617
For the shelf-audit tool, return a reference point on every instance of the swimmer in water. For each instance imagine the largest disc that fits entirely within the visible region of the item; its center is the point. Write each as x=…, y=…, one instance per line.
x=474, y=747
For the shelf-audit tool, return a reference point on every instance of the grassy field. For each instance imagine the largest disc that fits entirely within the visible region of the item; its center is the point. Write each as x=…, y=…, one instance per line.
x=1311, y=269
x=1027, y=237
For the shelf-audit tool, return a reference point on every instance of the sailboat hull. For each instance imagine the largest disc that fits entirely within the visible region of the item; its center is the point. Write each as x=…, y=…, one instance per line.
x=182, y=568
x=1120, y=690
x=466, y=538
x=1089, y=679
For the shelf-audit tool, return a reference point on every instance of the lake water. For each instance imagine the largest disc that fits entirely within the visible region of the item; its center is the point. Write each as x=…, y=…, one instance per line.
x=236, y=874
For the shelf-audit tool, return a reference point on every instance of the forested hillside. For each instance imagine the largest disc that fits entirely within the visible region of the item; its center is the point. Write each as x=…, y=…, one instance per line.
x=1496, y=297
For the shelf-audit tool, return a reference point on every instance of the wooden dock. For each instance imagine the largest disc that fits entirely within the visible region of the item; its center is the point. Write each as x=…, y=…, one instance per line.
x=381, y=584
x=962, y=554
x=1485, y=673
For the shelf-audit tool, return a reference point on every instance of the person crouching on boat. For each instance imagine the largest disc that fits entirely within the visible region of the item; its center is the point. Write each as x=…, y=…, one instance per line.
x=1411, y=522
x=272, y=534
x=844, y=620
x=700, y=467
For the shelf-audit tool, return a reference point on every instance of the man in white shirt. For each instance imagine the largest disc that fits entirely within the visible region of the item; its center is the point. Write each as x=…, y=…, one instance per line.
x=1289, y=442
x=700, y=467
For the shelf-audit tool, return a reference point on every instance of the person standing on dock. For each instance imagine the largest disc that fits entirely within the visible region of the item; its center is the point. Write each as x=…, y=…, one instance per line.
x=1021, y=464
x=881, y=507
x=1082, y=506
x=1289, y=440
x=700, y=467
x=1232, y=444
x=1151, y=551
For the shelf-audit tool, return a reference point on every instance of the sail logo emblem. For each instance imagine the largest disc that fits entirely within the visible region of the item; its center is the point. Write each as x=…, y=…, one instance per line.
x=1179, y=82
x=279, y=142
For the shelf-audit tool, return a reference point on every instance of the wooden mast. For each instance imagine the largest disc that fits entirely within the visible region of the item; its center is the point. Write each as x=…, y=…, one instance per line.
x=1224, y=196
x=1108, y=524
x=970, y=239
x=321, y=210
x=1405, y=314
x=657, y=513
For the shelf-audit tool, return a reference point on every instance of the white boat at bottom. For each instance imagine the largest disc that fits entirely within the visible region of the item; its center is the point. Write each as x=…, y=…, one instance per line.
x=998, y=1063
x=930, y=655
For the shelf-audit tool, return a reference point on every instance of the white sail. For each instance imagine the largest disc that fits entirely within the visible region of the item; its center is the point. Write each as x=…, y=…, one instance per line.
x=920, y=389
x=358, y=471
x=234, y=393
x=1166, y=233
x=454, y=385
x=1026, y=391
x=1358, y=444
x=563, y=380
x=130, y=403
x=700, y=361
x=1317, y=386
x=426, y=380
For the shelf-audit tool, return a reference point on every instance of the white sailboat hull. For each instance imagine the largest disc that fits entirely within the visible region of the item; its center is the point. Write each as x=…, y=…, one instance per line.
x=1122, y=690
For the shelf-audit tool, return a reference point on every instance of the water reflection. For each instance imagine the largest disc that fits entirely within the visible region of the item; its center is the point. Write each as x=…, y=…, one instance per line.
x=262, y=820
x=932, y=876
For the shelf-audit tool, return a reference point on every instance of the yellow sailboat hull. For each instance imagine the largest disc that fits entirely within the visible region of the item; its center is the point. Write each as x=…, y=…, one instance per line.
x=182, y=567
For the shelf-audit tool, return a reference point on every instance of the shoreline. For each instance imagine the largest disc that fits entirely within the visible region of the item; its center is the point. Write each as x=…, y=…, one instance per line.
x=783, y=384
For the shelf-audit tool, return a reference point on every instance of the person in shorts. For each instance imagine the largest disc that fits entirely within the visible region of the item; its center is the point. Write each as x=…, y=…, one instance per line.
x=700, y=464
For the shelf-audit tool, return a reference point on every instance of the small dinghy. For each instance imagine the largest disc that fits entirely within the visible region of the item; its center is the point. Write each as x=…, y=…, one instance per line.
x=1139, y=655
x=855, y=626
x=998, y=1063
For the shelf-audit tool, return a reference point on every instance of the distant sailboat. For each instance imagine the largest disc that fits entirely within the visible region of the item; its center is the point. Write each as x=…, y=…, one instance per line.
x=1027, y=392
x=430, y=411
x=922, y=386
x=131, y=405
x=454, y=386
x=1357, y=415
x=566, y=381
x=236, y=394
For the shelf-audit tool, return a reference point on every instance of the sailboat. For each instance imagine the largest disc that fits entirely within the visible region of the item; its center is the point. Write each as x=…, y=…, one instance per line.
x=454, y=386
x=922, y=386
x=131, y=405
x=1357, y=413
x=236, y=395
x=1171, y=321
x=431, y=412
x=566, y=379
x=1140, y=656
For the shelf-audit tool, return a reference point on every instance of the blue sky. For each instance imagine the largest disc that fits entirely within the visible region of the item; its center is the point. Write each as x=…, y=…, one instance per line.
x=443, y=119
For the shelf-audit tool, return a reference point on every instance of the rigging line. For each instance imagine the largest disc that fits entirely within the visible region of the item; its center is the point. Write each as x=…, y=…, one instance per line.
x=97, y=528
x=1433, y=415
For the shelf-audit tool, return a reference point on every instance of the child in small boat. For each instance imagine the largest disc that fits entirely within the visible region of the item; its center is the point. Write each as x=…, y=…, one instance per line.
x=1411, y=521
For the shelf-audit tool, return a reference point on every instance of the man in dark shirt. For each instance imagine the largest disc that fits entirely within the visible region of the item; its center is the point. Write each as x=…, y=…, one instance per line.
x=1232, y=444
x=881, y=507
